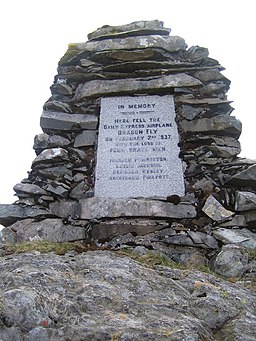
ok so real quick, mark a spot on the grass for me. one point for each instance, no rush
(151, 259)
(46, 246)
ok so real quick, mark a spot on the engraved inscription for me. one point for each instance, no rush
(138, 148)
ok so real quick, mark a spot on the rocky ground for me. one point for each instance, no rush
(119, 295)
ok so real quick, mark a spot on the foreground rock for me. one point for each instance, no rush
(100, 295)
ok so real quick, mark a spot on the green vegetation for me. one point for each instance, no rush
(151, 259)
(45, 246)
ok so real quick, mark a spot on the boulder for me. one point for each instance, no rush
(230, 262)
(241, 237)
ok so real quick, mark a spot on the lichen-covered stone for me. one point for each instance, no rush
(45, 141)
(53, 230)
(231, 261)
(93, 208)
(168, 43)
(109, 296)
(98, 88)
(215, 210)
(52, 155)
(132, 29)
(241, 237)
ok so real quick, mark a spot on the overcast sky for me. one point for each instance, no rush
(35, 34)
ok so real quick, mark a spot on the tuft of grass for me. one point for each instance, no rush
(251, 254)
(151, 259)
(47, 246)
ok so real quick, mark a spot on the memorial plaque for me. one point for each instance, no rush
(138, 148)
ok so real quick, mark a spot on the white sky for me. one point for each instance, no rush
(35, 34)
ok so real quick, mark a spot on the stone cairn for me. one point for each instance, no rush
(57, 203)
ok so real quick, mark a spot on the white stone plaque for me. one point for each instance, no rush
(138, 153)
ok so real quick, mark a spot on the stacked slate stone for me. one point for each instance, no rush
(57, 200)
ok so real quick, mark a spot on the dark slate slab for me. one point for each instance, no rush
(245, 178)
(133, 85)
(53, 120)
(170, 44)
(132, 29)
(224, 124)
(10, 213)
(95, 208)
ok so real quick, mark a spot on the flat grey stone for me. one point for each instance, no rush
(79, 191)
(64, 209)
(10, 213)
(237, 220)
(224, 151)
(197, 53)
(45, 141)
(230, 262)
(191, 238)
(62, 121)
(189, 112)
(221, 123)
(52, 155)
(241, 237)
(246, 177)
(132, 85)
(215, 210)
(8, 236)
(213, 88)
(55, 172)
(61, 89)
(134, 28)
(53, 230)
(53, 105)
(29, 189)
(203, 238)
(210, 75)
(107, 230)
(57, 190)
(168, 43)
(96, 208)
(245, 201)
(86, 138)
